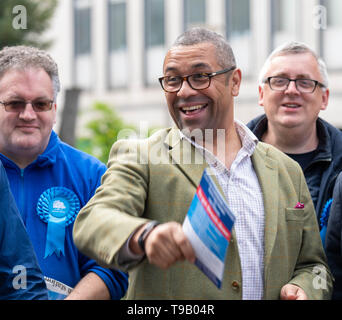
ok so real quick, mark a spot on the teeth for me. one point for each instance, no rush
(192, 108)
(291, 105)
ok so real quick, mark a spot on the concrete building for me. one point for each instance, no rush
(113, 49)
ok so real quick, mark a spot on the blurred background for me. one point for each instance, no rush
(110, 54)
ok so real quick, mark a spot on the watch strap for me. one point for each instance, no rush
(148, 228)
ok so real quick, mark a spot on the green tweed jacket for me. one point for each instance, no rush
(156, 179)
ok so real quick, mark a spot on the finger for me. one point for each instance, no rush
(301, 295)
(292, 292)
(161, 249)
(184, 244)
(164, 255)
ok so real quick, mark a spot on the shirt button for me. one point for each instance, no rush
(235, 285)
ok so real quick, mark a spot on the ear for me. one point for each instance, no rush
(261, 96)
(54, 108)
(325, 99)
(236, 81)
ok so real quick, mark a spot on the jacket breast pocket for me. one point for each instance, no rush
(292, 214)
(293, 232)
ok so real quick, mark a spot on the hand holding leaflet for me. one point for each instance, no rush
(208, 226)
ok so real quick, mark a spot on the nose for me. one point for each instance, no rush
(291, 88)
(185, 90)
(28, 113)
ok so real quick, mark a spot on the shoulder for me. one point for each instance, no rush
(79, 158)
(256, 121)
(268, 151)
(338, 183)
(133, 146)
(157, 136)
(288, 171)
(335, 134)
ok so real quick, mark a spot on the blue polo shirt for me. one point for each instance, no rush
(77, 174)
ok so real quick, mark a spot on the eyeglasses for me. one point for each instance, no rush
(197, 81)
(302, 85)
(20, 105)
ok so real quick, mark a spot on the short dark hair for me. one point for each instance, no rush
(225, 55)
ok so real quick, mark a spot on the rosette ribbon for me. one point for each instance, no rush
(58, 207)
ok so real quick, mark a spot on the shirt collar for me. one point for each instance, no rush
(324, 143)
(323, 150)
(247, 137)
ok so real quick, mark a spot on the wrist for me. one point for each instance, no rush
(148, 228)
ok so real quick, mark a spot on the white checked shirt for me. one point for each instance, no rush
(244, 196)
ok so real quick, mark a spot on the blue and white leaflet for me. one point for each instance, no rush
(208, 226)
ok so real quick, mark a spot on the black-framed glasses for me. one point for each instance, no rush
(20, 105)
(302, 85)
(197, 81)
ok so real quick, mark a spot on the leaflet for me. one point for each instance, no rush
(208, 226)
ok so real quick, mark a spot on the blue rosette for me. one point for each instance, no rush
(58, 207)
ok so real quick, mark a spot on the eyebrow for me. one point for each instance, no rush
(16, 96)
(299, 76)
(195, 66)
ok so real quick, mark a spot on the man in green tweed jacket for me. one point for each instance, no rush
(275, 251)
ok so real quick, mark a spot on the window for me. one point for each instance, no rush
(332, 44)
(239, 17)
(285, 24)
(82, 43)
(334, 10)
(154, 23)
(154, 40)
(238, 32)
(117, 43)
(194, 13)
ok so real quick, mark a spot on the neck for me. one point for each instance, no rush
(225, 145)
(21, 161)
(295, 141)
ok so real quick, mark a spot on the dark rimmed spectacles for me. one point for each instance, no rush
(20, 105)
(197, 81)
(302, 85)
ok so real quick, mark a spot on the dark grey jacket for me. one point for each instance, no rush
(334, 239)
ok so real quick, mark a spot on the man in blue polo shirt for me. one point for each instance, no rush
(49, 179)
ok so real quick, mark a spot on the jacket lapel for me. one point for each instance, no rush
(267, 173)
(185, 156)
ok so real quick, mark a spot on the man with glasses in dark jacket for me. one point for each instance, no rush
(293, 89)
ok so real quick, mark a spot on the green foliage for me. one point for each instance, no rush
(39, 14)
(105, 128)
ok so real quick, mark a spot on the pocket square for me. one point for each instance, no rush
(299, 205)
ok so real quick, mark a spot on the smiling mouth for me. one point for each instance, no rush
(193, 109)
(27, 128)
(291, 105)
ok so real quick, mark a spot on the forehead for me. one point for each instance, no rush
(294, 65)
(31, 81)
(192, 57)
